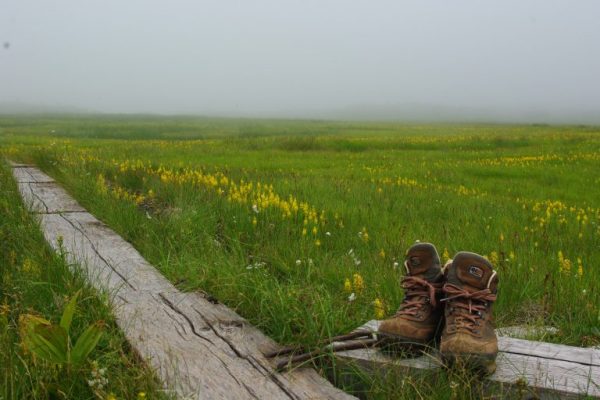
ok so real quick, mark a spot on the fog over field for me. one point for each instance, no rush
(510, 60)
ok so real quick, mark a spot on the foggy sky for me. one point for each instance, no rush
(282, 57)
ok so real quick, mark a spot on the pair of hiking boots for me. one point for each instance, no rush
(451, 305)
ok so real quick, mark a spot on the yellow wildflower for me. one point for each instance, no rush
(379, 308)
(382, 253)
(101, 184)
(446, 255)
(141, 395)
(30, 267)
(317, 242)
(254, 221)
(502, 237)
(347, 286)
(579, 267)
(358, 282)
(493, 258)
(364, 234)
(564, 264)
(567, 266)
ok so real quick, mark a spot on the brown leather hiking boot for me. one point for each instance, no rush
(418, 319)
(468, 337)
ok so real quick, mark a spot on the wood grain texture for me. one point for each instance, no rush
(25, 173)
(536, 368)
(199, 349)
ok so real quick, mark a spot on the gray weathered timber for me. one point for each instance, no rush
(199, 349)
(26, 173)
(534, 369)
(526, 331)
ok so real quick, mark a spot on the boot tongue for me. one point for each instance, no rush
(423, 261)
(472, 272)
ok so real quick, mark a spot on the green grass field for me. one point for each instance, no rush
(284, 220)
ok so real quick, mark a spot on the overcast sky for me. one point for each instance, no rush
(276, 56)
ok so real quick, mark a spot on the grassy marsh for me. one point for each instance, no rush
(283, 220)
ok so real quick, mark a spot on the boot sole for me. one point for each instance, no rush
(485, 364)
(402, 346)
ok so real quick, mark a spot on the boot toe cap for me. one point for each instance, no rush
(465, 343)
(402, 328)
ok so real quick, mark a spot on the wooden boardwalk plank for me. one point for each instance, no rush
(47, 198)
(548, 370)
(25, 173)
(199, 349)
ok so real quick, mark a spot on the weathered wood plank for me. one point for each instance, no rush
(549, 370)
(526, 331)
(199, 349)
(47, 197)
(548, 350)
(25, 174)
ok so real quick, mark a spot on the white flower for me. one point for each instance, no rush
(357, 262)
(327, 233)
(255, 208)
(298, 262)
(256, 265)
(396, 264)
(352, 297)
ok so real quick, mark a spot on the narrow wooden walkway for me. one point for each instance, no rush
(525, 369)
(199, 349)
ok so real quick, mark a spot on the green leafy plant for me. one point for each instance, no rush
(53, 343)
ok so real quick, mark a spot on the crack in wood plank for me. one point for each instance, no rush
(80, 230)
(173, 307)
(34, 194)
(248, 358)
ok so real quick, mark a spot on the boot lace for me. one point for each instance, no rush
(470, 305)
(418, 292)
